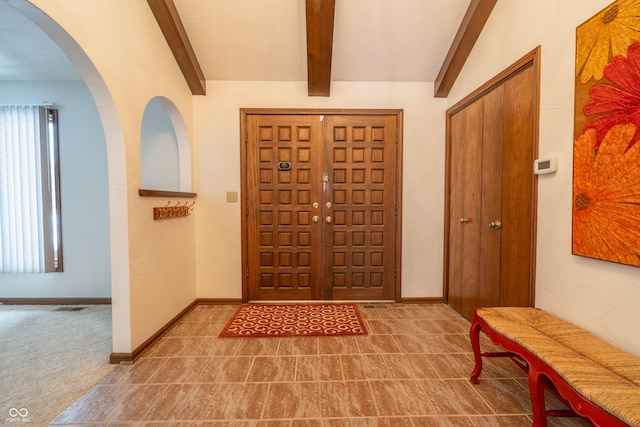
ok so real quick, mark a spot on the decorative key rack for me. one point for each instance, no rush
(168, 211)
(180, 209)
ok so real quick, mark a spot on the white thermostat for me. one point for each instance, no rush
(548, 165)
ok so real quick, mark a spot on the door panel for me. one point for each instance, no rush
(518, 183)
(465, 211)
(488, 287)
(360, 251)
(456, 210)
(282, 259)
(320, 207)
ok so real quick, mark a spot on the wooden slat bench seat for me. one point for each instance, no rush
(596, 379)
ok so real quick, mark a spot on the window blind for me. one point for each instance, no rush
(23, 155)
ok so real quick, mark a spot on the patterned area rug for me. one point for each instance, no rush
(281, 320)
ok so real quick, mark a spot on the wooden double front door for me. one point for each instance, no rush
(320, 199)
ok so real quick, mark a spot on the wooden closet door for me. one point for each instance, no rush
(518, 188)
(465, 198)
(491, 217)
(490, 232)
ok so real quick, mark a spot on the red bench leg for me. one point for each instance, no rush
(475, 345)
(537, 386)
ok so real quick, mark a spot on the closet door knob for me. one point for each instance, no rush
(496, 225)
(464, 220)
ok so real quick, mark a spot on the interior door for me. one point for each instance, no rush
(518, 188)
(489, 239)
(465, 207)
(491, 217)
(320, 206)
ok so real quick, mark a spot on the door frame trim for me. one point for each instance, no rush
(530, 60)
(245, 112)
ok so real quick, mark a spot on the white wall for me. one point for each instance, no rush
(217, 132)
(84, 192)
(119, 49)
(600, 296)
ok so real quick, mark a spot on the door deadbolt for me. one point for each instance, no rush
(328, 204)
(316, 205)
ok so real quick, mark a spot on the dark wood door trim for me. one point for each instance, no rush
(531, 59)
(311, 111)
(246, 112)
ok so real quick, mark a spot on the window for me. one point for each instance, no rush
(30, 221)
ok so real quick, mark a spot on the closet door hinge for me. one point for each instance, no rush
(247, 272)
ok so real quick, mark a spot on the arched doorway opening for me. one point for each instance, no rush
(116, 159)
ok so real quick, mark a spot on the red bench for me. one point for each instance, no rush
(595, 379)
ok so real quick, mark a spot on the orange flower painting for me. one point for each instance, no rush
(604, 36)
(606, 197)
(617, 103)
(606, 156)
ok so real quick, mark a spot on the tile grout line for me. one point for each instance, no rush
(246, 377)
(265, 401)
(375, 400)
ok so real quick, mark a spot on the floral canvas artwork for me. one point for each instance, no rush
(606, 152)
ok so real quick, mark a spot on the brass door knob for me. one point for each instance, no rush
(329, 220)
(315, 218)
(496, 225)
(464, 220)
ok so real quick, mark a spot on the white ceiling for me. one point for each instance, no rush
(374, 40)
(27, 53)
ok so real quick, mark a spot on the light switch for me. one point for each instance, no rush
(232, 196)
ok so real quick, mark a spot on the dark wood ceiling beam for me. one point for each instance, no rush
(171, 25)
(320, 17)
(469, 31)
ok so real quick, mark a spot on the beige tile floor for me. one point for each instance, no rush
(412, 369)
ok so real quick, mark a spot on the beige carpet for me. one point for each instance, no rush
(49, 358)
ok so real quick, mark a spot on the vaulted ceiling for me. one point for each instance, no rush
(342, 40)
(370, 40)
